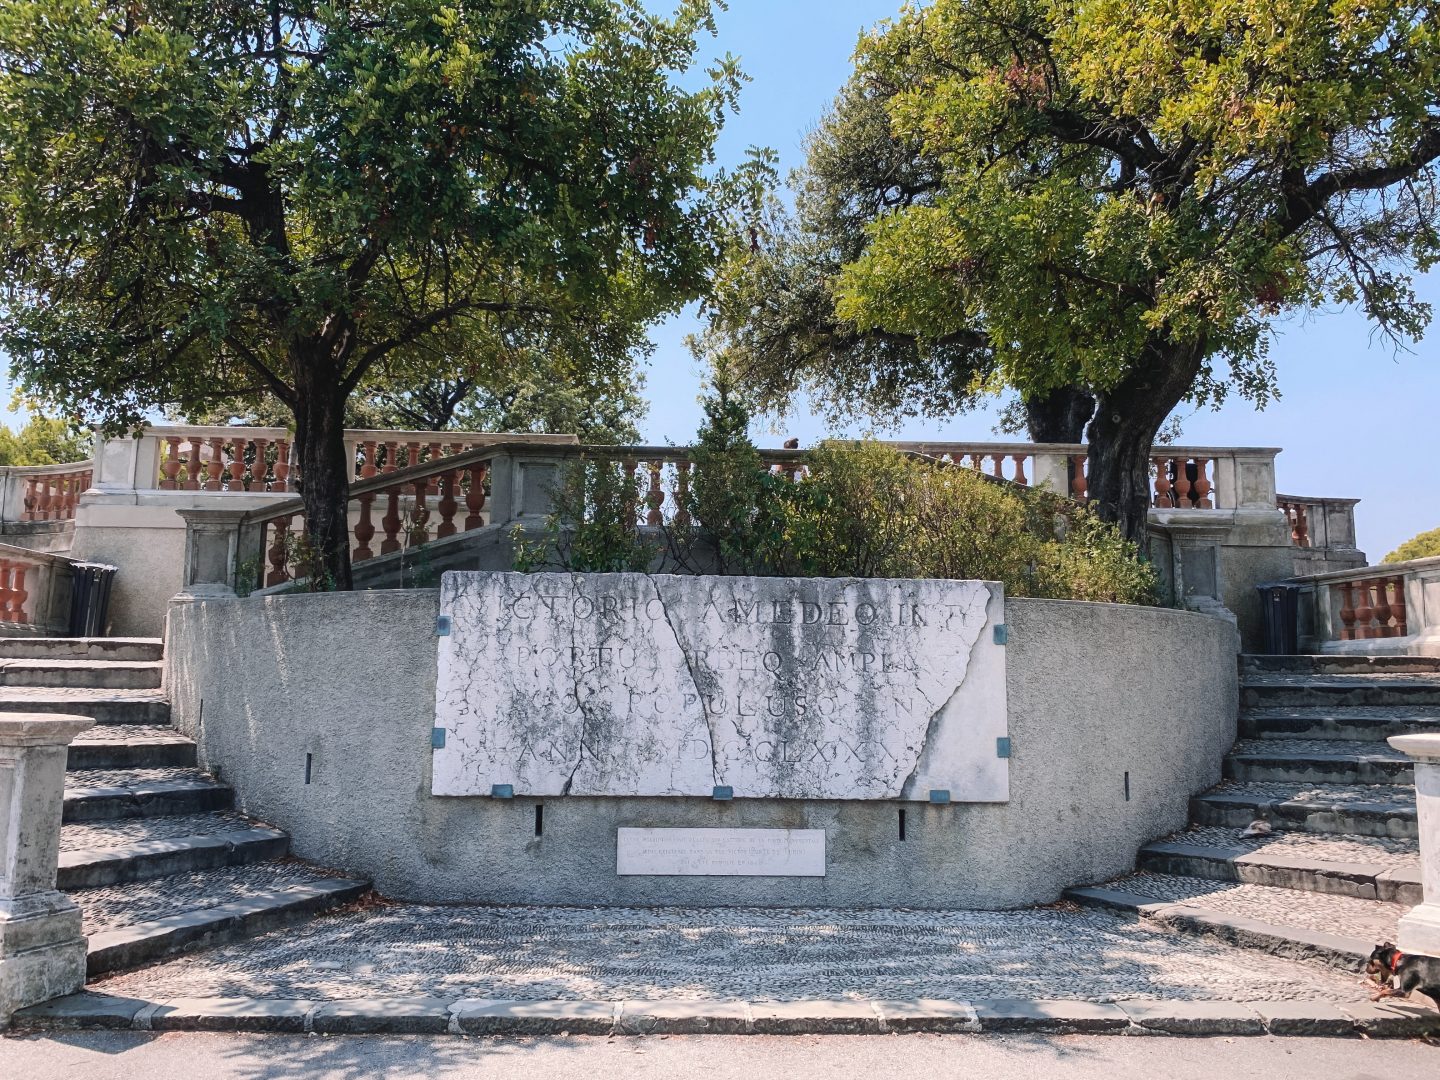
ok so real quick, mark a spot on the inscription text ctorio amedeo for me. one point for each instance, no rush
(635, 684)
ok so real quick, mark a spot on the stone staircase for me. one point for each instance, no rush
(1342, 863)
(151, 848)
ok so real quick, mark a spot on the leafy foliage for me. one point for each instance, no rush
(1424, 546)
(42, 442)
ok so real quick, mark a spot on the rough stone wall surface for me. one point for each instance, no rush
(151, 570)
(1096, 692)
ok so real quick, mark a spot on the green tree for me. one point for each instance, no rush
(1424, 546)
(1131, 191)
(42, 442)
(208, 200)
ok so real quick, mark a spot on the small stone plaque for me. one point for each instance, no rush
(720, 852)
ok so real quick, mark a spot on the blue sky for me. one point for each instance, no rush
(1355, 420)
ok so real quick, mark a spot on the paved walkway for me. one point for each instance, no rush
(531, 953)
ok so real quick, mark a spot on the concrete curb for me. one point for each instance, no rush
(475, 1016)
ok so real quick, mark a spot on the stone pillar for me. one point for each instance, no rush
(1419, 931)
(212, 552)
(42, 951)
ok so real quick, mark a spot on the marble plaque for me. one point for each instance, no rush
(792, 688)
(720, 852)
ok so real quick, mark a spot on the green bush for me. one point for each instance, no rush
(1424, 546)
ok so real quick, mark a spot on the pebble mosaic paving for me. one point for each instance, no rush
(529, 953)
(91, 835)
(1387, 851)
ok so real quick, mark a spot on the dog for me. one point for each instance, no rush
(1398, 975)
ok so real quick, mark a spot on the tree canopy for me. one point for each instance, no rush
(42, 441)
(1424, 546)
(1123, 196)
(210, 200)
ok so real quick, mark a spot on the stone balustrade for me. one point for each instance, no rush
(1418, 933)
(1393, 608)
(35, 493)
(42, 950)
(34, 592)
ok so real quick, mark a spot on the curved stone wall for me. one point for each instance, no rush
(1117, 715)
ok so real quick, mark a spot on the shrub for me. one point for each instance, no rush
(1424, 546)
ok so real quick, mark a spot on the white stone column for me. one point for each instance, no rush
(42, 951)
(1419, 931)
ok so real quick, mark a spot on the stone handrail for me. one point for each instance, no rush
(34, 592)
(1393, 608)
(1324, 523)
(43, 492)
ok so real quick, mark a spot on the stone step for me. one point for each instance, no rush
(1317, 761)
(83, 674)
(36, 648)
(144, 860)
(1340, 691)
(133, 746)
(1342, 866)
(102, 794)
(1337, 930)
(1358, 724)
(1365, 810)
(106, 706)
(1335, 664)
(137, 922)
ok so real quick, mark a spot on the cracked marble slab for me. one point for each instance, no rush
(658, 685)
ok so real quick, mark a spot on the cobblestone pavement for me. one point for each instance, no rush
(111, 906)
(747, 953)
(1328, 794)
(77, 694)
(1281, 907)
(1388, 851)
(87, 835)
(130, 733)
(81, 779)
(1331, 748)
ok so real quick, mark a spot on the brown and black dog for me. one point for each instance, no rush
(1398, 975)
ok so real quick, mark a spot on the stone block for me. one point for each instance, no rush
(83, 1010)
(815, 1018)
(1304, 1018)
(481, 1016)
(1392, 1019)
(230, 1014)
(1025, 1014)
(928, 1014)
(384, 1016)
(1194, 1017)
(684, 1018)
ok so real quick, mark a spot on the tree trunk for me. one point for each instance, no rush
(324, 481)
(1122, 434)
(1059, 416)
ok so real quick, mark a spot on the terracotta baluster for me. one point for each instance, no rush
(18, 595)
(1347, 611)
(655, 497)
(364, 529)
(279, 553)
(32, 499)
(1163, 495)
(448, 505)
(1397, 608)
(682, 494)
(475, 497)
(391, 522)
(996, 469)
(412, 454)
(420, 518)
(47, 499)
(282, 465)
(1364, 610)
(369, 469)
(1203, 486)
(977, 462)
(436, 453)
(194, 467)
(215, 466)
(237, 464)
(259, 466)
(6, 595)
(170, 464)
(1079, 483)
(1184, 488)
(1020, 477)
(392, 451)
(630, 511)
(1382, 608)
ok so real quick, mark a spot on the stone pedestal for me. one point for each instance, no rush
(42, 951)
(1419, 931)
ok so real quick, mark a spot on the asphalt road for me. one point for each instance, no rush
(176, 1056)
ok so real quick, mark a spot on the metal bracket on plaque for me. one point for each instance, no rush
(722, 794)
(502, 791)
(940, 796)
(442, 625)
(1002, 746)
(1002, 634)
(437, 738)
